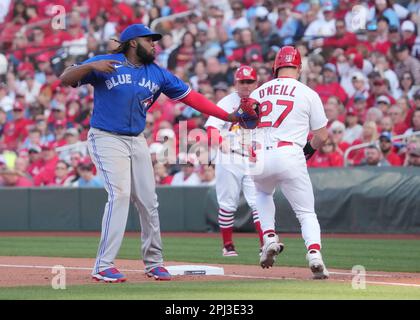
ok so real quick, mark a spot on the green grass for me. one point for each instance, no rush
(217, 290)
(374, 255)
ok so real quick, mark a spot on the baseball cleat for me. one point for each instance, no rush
(159, 273)
(272, 247)
(317, 266)
(110, 275)
(229, 251)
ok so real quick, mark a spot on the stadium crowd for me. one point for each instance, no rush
(362, 57)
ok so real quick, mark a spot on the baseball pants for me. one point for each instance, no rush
(286, 167)
(125, 165)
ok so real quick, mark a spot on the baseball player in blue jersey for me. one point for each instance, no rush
(126, 83)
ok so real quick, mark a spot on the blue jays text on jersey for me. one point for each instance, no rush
(122, 98)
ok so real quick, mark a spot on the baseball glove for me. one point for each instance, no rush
(248, 113)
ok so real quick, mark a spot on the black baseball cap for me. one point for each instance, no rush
(401, 47)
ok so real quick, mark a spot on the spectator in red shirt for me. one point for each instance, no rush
(386, 147)
(61, 177)
(73, 108)
(48, 88)
(36, 44)
(75, 158)
(59, 131)
(16, 131)
(35, 161)
(342, 38)
(379, 88)
(327, 156)
(58, 113)
(398, 120)
(248, 52)
(13, 178)
(406, 106)
(49, 158)
(336, 130)
(330, 86)
(162, 176)
(414, 122)
(377, 36)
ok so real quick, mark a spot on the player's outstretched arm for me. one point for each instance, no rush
(204, 105)
(72, 75)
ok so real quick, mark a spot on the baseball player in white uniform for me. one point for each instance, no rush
(232, 161)
(288, 111)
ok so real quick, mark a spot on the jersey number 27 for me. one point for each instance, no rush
(267, 108)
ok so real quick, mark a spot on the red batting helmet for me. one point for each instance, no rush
(287, 56)
(246, 73)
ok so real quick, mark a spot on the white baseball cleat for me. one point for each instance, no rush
(316, 264)
(229, 251)
(272, 247)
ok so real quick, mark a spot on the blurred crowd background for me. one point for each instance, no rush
(362, 57)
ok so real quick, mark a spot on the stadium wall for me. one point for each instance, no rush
(355, 200)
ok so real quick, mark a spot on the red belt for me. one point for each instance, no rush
(280, 144)
(284, 143)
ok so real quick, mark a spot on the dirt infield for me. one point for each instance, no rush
(31, 271)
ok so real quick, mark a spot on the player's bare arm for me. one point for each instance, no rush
(72, 75)
(318, 140)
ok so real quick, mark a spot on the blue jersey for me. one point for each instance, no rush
(122, 98)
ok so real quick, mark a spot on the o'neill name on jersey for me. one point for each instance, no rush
(277, 89)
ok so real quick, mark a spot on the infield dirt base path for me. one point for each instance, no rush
(31, 271)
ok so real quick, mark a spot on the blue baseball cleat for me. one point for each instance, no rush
(159, 273)
(110, 275)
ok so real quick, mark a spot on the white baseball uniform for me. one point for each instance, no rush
(289, 110)
(232, 165)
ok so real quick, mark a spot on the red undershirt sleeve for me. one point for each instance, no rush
(204, 105)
